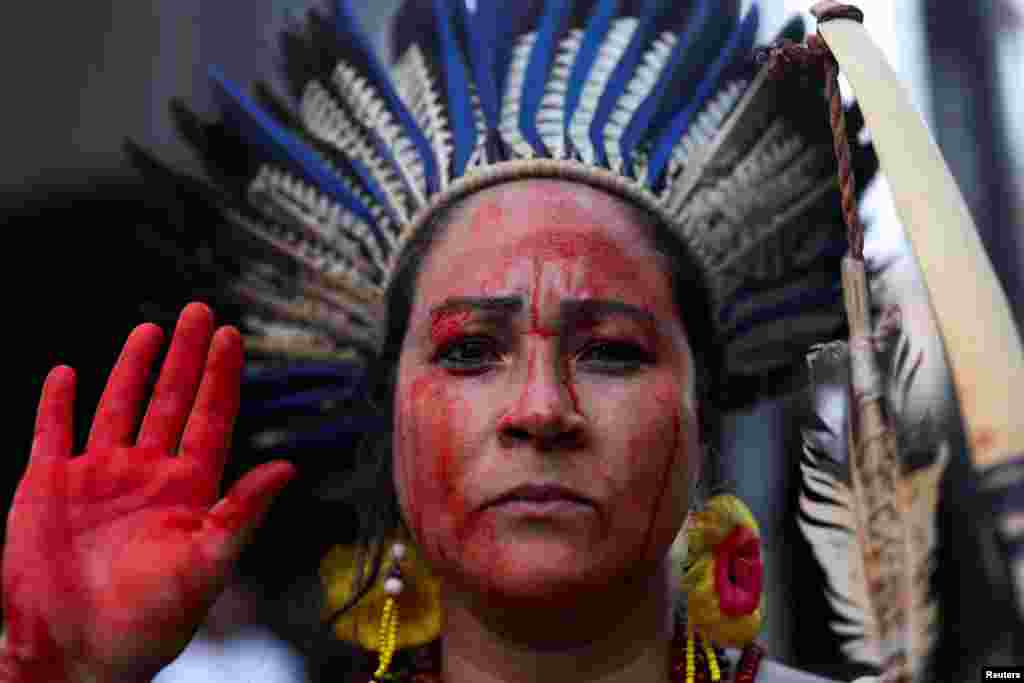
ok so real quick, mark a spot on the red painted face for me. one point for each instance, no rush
(544, 348)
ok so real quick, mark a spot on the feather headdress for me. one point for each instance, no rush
(663, 104)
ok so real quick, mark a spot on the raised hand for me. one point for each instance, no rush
(114, 556)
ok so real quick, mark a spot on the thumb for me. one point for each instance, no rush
(241, 511)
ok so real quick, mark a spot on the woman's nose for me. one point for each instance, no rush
(545, 410)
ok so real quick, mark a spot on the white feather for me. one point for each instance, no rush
(834, 539)
(700, 135)
(609, 54)
(510, 106)
(478, 158)
(327, 121)
(551, 115)
(418, 89)
(366, 106)
(654, 62)
(336, 229)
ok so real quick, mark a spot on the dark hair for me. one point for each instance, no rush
(370, 491)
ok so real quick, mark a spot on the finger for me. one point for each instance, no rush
(118, 413)
(242, 510)
(176, 389)
(54, 430)
(207, 436)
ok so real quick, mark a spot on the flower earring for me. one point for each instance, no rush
(722, 578)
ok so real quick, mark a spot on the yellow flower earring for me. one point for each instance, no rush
(722, 578)
(407, 595)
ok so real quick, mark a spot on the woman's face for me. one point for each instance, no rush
(544, 350)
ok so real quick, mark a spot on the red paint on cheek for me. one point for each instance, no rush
(570, 388)
(666, 478)
(437, 497)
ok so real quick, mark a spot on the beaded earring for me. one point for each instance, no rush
(406, 593)
(388, 638)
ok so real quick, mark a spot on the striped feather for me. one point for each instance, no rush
(480, 156)
(550, 29)
(322, 220)
(400, 136)
(869, 518)
(740, 42)
(327, 121)
(418, 90)
(551, 115)
(622, 74)
(830, 522)
(699, 136)
(705, 27)
(509, 128)
(365, 105)
(647, 75)
(279, 145)
(609, 54)
(462, 115)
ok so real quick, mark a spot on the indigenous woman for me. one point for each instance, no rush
(560, 237)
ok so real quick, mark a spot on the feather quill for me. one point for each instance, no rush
(870, 520)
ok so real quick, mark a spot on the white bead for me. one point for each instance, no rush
(398, 551)
(393, 586)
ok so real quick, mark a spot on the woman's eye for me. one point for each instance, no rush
(614, 356)
(468, 354)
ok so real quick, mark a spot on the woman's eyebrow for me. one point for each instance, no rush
(572, 310)
(502, 304)
(577, 309)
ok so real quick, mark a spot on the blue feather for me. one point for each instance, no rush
(829, 256)
(593, 35)
(622, 75)
(482, 35)
(740, 43)
(691, 46)
(309, 402)
(801, 304)
(353, 38)
(280, 146)
(460, 105)
(553, 24)
(279, 378)
(342, 434)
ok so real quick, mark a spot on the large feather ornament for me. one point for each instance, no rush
(869, 518)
